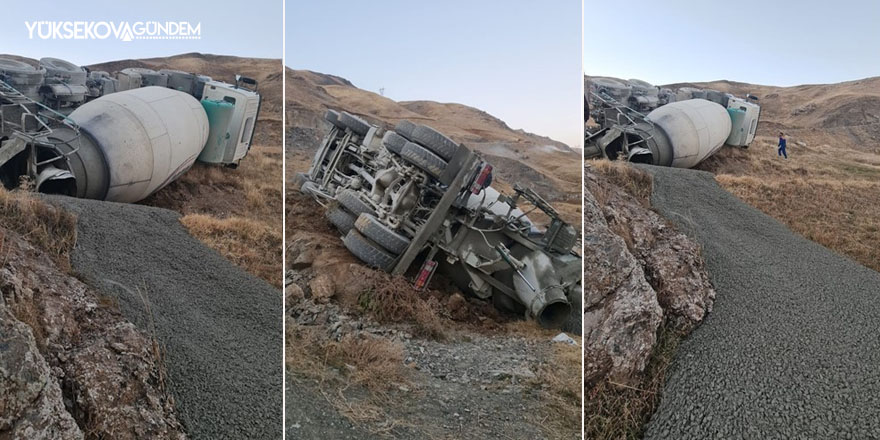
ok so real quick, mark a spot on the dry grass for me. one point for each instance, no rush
(828, 194)
(563, 388)
(237, 212)
(246, 242)
(394, 300)
(46, 226)
(615, 411)
(345, 369)
(623, 175)
(373, 362)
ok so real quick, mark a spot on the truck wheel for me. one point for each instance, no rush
(370, 253)
(350, 201)
(342, 219)
(332, 116)
(393, 142)
(299, 179)
(434, 141)
(424, 159)
(354, 123)
(373, 229)
(405, 129)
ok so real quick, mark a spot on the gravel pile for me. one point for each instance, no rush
(220, 327)
(791, 349)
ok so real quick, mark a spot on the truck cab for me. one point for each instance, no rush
(246, 103)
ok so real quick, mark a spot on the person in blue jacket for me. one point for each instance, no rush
(781, 151)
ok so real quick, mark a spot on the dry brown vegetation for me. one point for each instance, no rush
(623, 175)
(237, 212)
(46, 226)
(614, 411)
(394, 300)
(373, 362)
(563, 390)
(829, 188)
(828, 194)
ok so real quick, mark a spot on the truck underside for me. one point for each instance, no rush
(412, 198)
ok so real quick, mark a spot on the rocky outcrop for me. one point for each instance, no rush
(106, 372)
(639, 272)
(621, 312)
(31, 404)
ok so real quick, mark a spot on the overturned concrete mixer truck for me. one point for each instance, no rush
(638, 122)
(121, 137)
(413, 199)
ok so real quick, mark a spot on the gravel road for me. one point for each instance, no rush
(792, 348)
(219, 326)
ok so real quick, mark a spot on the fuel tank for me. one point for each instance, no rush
(133, 143)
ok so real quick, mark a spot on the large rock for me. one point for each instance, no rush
(111, 374)
(621, 312)
(638, 272)
(31, 405)
(672, 262)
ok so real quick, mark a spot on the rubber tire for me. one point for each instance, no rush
(354, 123)
(370, 253)
(405, 129)
(350, 201)
(341, 219)
(332, 116)
(394, 142)
(424, 159)
(384, 236)
(434, 141)
(299, 179)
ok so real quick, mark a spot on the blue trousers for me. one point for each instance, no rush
(781, 151)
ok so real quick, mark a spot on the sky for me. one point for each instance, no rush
(769, 42)
(248, 29)
(519, 60)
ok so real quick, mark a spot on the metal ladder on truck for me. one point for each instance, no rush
(28, 123)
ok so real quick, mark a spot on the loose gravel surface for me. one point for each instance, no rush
(792, 348)
(470, 386)
(220, 327)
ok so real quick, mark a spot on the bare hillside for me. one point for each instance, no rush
(550, 166)
(846, 113)
(266, 71)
